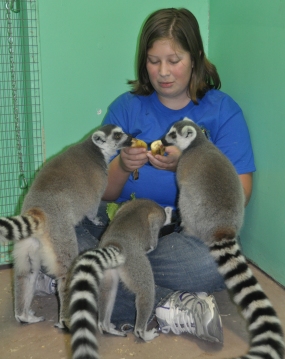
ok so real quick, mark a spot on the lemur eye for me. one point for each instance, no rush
(173, 135)
(117, 135)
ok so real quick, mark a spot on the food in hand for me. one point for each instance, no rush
(137, 143)
(157, 148)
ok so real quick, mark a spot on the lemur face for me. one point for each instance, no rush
(111, 138)
(181, 134)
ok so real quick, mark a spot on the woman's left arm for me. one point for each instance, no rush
(246, 181)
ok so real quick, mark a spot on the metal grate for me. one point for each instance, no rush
(21, 137)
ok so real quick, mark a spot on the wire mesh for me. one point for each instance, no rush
(24, 26)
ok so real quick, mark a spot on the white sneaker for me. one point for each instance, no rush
(45, 285)
(194, 313)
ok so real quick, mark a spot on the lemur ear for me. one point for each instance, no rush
(188, 132)
(187, 119)
(99, 137)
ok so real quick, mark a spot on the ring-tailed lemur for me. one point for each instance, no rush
(132, 233)
(211, 203)
(66, 189)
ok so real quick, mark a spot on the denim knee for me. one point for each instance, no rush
(182, 262)
(88, 233)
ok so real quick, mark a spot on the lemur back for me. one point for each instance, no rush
(66, 189)
(211, 204)
(94, 279)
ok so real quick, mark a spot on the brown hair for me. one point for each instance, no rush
(181, 26)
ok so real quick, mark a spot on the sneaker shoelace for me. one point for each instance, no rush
(181, 317)
(194, 313)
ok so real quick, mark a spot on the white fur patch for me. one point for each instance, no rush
(233, 281)
(262, 319)
(245, 291)
(264, 303)
(83, 295)
(267, 348)
(231, 264)
(108, 144)
(83, 276)
(84, 351)
(217, 253)
(80, 314)
(168, 211)
(26, 255)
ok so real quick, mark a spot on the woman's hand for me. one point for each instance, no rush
(168, 162)
(132, 158)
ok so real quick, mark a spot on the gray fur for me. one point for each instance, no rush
(211, 203)
(67, 188)
(133, 232)
(211, 196)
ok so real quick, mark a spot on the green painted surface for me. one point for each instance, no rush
(247, 44)
(87, 56)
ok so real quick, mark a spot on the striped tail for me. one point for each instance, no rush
(17, 228)
(267, 340)
(84, 286)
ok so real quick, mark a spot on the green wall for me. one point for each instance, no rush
(87, 56)
(247, 43)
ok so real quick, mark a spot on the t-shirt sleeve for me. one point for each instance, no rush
(233, 137)
(118, 112)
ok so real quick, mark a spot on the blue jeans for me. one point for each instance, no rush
(179, 263)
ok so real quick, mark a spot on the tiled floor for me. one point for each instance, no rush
(43, 341)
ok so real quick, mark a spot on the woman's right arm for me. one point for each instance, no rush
(120, 168)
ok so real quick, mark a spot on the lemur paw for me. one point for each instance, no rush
(110, 329)
(146, 335)
(28, 319)
(168, 211)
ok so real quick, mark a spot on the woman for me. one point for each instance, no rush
(175, 79)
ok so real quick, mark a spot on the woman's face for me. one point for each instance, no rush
(169, 69)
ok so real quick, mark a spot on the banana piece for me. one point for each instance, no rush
(157, 148)
(137, 143)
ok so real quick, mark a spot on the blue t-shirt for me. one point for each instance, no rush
(146, 118)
